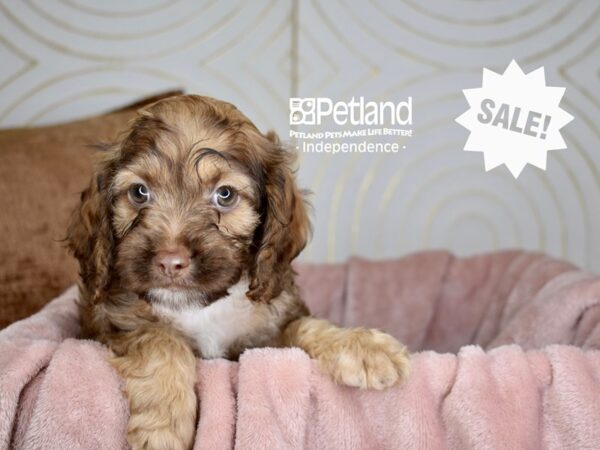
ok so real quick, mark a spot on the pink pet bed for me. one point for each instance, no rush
(505, 357)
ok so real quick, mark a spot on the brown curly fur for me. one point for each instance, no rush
(183, 147)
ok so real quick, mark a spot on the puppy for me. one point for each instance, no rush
(184, 238)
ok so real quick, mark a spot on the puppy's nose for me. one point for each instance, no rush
(172, 262)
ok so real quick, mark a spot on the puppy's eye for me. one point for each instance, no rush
(225, 196)
(139, 194)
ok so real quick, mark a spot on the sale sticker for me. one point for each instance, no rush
(514, 119)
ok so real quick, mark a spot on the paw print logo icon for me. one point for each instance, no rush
(302, 111)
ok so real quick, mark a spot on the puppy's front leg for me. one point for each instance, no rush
(360, 357)
(159, 370)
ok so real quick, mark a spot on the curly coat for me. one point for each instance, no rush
(237, 289)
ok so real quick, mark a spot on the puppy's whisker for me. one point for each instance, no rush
(134, 223)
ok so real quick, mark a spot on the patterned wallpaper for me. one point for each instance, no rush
(63, 59)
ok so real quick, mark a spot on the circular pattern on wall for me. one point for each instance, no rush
(70, 58)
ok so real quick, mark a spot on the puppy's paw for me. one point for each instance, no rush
(159, 371)
(150, 431)
(366, 358)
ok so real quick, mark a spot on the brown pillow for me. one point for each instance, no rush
(42, 172)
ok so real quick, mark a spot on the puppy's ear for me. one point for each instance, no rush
(285, 226)
(89, 234)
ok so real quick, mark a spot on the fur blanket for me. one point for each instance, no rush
(506, 357)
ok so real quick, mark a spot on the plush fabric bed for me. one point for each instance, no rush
(505, 357)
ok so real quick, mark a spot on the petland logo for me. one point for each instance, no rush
(312, 111)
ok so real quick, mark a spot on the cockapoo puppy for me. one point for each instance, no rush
(184, 238)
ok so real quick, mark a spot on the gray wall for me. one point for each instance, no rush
(63, 59)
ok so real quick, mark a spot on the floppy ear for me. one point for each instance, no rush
(90, 237)
(285, 226)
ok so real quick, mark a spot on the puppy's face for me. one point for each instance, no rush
(184, 215)
(190, 200)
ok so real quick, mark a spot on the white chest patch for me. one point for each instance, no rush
(214, 328)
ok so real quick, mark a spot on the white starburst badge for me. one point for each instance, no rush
(514, 119)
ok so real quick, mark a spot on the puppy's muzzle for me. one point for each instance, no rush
(173, 263)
